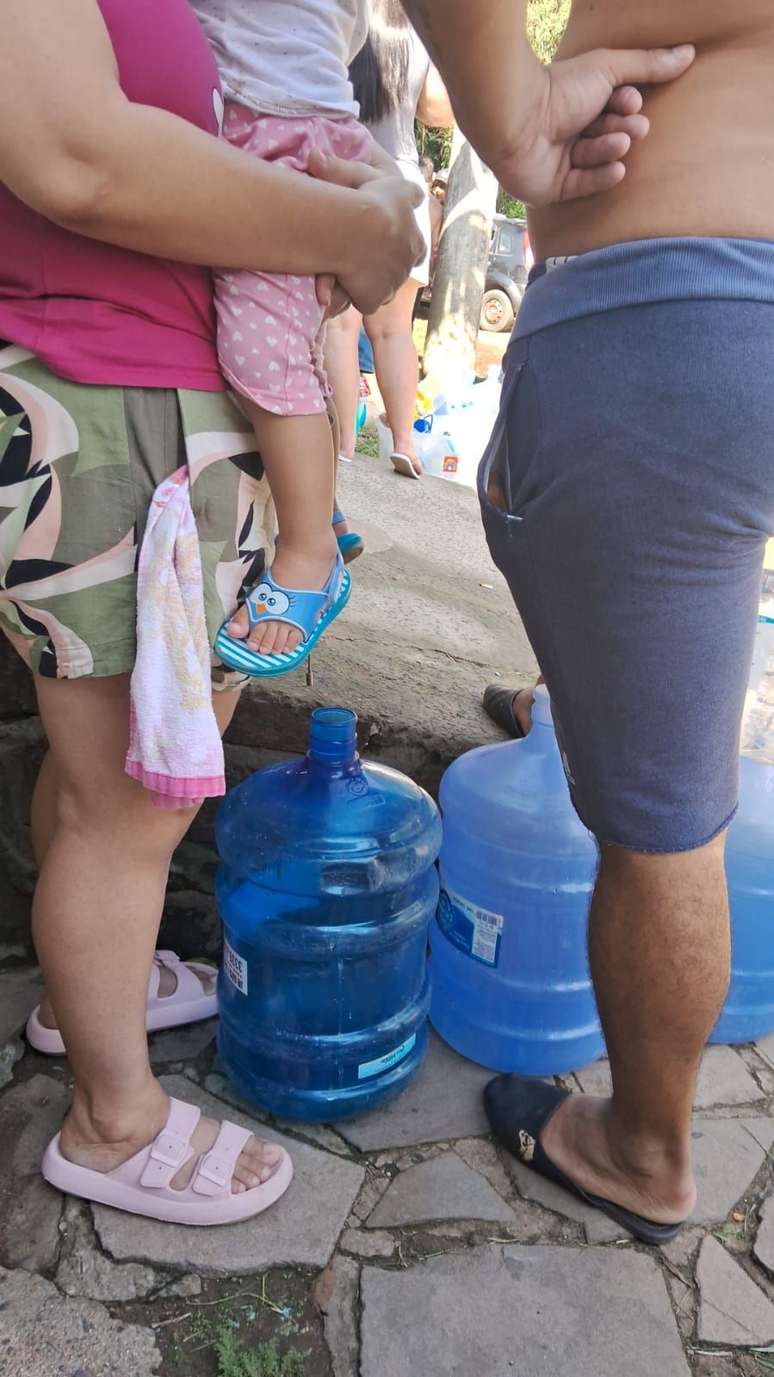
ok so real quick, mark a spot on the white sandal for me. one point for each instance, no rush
(402, 463)
(142, 1185)
(188, 1003)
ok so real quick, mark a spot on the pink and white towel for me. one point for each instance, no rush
(175, 748)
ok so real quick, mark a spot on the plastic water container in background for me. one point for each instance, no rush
(511, 987)
(748, 1012)
(326, 889)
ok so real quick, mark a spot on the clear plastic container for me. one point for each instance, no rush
(511, 986)
(326, 889)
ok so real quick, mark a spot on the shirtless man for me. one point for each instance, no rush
(627, 496)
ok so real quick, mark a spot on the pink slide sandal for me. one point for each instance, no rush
(142, 1185)
(188, 1003)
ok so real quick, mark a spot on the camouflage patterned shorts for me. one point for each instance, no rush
(78, 467)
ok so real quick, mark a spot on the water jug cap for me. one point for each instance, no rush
(333, 736)
(541, 712)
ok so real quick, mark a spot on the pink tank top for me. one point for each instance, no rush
(99, 314)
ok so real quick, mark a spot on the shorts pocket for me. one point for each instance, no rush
(507, 476)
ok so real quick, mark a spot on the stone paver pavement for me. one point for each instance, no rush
(44, 1335)
(733, 1309)
(443, 1188)
(594, 1313)
(421, 1248)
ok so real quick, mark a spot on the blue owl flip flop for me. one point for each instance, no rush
(309, 611)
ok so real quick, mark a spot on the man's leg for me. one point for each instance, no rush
(659, 954)
(630, 522)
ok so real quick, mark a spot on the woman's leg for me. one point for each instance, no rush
(44, 815)
(96, 913)
(341, 366)
(397, 368)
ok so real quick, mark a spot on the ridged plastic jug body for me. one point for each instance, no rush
(511, 986)
(748, 1012)
(326, 889)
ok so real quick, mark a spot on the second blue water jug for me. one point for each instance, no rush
(326, 890)
(511, 987)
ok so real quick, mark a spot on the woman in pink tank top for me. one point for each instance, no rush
(115, 196)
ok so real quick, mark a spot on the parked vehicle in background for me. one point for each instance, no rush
(510, 259)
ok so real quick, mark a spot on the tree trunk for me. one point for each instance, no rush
(458, 287)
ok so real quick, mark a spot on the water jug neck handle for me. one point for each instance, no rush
(333, 738)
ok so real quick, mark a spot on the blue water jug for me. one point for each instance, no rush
(326, 890)
(511, 987)
(748, 1013)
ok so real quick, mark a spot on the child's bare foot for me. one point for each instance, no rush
(292, 569)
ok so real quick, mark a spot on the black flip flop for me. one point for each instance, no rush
(498, 703)
(518, 1110)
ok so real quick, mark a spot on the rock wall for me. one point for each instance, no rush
(399, 724)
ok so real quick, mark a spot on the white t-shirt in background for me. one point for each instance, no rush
(286, 57)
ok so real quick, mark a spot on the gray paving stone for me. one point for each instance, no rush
(30, 1115)
(19, 993)
(727, 1154)
(301, 1229)
(443, 1188)
(182, 1044)
(766, 1048)
(445, 1101)
(763, 1247)
(336, 1293)
(484, 1158)
(84, 1271)
(372, 1190)
(732, 1309)
(591, 1312)
(723, 1079)
(10, 1052)
(597, 1227)
(42, 1334)
(367, 1243)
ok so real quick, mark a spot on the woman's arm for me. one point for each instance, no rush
(74, 148)
(549, 133)
(434, 108)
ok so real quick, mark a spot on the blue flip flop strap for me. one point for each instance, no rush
(306, 604)
(337, 518)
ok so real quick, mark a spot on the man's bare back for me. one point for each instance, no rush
(707, 167)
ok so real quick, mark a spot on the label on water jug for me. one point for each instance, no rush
(235, 967)
(474, 930)
(373, 1068)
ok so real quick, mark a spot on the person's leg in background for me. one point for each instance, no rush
(397, 366)
(96, 915)
(343, 370)
(635, 563)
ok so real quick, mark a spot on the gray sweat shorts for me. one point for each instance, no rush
(627, 494)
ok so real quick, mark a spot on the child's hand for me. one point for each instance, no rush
(378, 260)
(331, 295)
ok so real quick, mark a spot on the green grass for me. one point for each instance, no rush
(368, 441)
(236, 1359)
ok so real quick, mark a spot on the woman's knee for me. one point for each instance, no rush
(120, 813)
